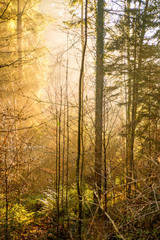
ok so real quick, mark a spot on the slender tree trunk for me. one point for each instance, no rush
(6, 196)
(128, 105)
(79, 151)
(59, 161)
(99, 97)
(19, 40)
(63, 164)
(82, 89)
(67, 122)
(57, 203)
(104, 154)
(149, 136)
(19, 81)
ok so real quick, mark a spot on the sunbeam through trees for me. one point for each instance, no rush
(79, 119)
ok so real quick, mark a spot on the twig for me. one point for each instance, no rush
(155, 196)
(114, 225)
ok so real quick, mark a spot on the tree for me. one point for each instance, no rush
(79, 154)
(16, 102)
(129, 64)
(99, 96)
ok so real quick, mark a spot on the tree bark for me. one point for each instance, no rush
(78, 174)
(99, 97)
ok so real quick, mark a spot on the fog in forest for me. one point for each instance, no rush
(79, 119)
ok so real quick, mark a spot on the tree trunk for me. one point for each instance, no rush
(99, 97)
(128, 106)
(19, 82)
(78, 175)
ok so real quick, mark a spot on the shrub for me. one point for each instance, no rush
(18, 220)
